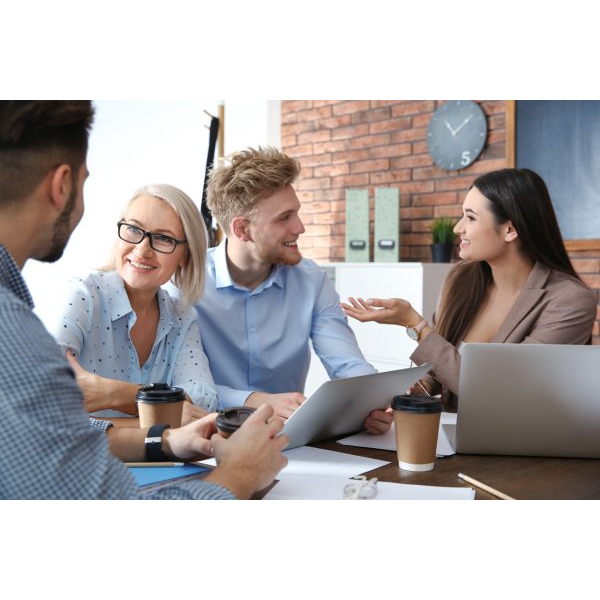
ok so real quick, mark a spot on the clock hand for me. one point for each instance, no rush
(463, 124)
(450, 128)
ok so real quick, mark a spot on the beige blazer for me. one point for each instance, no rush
(552, 308)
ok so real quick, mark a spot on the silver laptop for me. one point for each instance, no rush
(528, 400)
(340, 406)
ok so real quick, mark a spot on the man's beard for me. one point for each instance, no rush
(62, 230)
(278, 256)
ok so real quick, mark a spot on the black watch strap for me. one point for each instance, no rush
(153, 443)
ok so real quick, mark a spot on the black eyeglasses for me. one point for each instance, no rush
(158, 241)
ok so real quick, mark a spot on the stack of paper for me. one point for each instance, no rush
(309, 487)
(314, 474)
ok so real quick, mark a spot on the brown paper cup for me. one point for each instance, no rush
(168, 413)
(416, 440)
(417, 422)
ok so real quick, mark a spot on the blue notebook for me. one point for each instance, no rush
(146, 476)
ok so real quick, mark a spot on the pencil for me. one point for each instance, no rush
(154, 464)
(487, 488)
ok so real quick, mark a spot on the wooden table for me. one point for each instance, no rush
(522, 477)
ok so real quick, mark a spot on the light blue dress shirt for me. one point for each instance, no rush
(258, 340)
(95, 321)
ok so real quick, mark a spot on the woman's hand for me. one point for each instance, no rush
(391, 311)
(422, 387)
(94, 397)
(101, 392)
(191, 413)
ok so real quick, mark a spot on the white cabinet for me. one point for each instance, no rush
(386, 347)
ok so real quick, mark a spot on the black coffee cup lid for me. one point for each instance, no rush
(417, 404)
(231, 419)
(159, 393)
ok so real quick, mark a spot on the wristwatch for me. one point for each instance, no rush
(414, 332)
(153, 443)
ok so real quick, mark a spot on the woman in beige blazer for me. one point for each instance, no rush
(515, 283)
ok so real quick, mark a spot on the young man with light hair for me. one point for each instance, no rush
(50, 448)
(262, 301)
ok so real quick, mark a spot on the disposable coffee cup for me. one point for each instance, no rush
(417, 421)
(231, 419)
(160, 403)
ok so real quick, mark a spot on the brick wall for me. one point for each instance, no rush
(587, 265)
(382, 143)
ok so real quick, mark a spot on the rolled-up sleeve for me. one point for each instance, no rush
(333, 340)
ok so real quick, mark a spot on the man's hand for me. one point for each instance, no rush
(379, 421)
(191, 442)
(283, 404)
(251, 457)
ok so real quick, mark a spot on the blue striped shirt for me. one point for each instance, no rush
(48, 448)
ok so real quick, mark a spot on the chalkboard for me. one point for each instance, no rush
(560, 140)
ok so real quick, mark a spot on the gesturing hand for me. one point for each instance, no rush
(391, 311)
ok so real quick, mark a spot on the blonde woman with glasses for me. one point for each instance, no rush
(120, 329)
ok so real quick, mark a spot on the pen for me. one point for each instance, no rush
(485, 487)
(154, 464)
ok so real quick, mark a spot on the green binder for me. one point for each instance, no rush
(357, 226)
(387, 225)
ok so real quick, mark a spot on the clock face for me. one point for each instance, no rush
(456, 134)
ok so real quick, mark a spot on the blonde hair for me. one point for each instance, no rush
(190, 278)
(237, 184)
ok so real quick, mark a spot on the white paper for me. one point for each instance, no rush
(387, 441)
(322, 463)
(310, 487)
(326, 463)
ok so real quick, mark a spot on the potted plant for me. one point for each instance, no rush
(444, 237)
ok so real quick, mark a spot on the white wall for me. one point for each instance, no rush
(138, 142)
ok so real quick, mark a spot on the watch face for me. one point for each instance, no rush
(412, 333)
(456, 134)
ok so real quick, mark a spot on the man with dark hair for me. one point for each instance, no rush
(49, 448)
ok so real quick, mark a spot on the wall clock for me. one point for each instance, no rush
(457, 133)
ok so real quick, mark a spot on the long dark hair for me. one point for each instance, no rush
(519, 196)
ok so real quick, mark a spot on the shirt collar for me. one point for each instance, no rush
(223, 277)
(12, 278)
(120, 305)
(119, 301)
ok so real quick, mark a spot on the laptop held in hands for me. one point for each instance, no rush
(340, 407)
